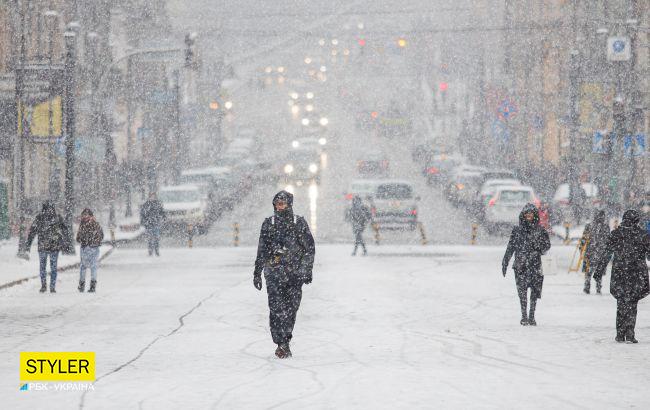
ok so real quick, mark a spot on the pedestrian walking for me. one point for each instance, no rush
(359, 216)
(286, 256)
(90, 236)
(577, 200)
(528, 242)
(629, 248)
(594, 238)
(52, 234)
(152, 216)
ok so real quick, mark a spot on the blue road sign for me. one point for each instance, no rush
(599, 142)
(507, 109)
(618, 45)
(634, 145)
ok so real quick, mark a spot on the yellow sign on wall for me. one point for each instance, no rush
(37, 119)
(57, 366)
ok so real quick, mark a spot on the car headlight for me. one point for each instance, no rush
(313, 168)
(288, 169)
(324, 121)
(295, 144)
(322, 141)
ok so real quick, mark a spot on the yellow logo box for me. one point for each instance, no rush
(57, 366)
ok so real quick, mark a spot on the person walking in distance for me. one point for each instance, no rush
(152, 216)
(90, 236)
(528, 242)
(594, 237)
(359, 216)
(51, 231)
(629, 248)
(285, 255)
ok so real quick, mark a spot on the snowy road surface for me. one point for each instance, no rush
(407, 327)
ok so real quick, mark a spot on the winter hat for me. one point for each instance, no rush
(631, 217)
(283, 196)
(529, 209)
(48, 208)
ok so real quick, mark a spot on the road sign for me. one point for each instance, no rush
(634, 145)
(618, 48)
(507, 109)
(598, 142)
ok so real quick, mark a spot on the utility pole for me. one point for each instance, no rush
(129, 142)
(176, 171)
(69, 115)
(21, 129)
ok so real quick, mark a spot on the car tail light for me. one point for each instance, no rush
(433, 170)
(349, 196)
(373, 211)
(414, 212)
(384, 164)
(460, 187)
(492, 202)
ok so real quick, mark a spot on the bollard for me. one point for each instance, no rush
(616, 223)
(474, 233)
(567, 234)
(112, 233)
(190, 235)
(423, 234)
(235, 228)
(375, 227)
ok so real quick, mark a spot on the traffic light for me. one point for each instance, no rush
(362, 42)
(443, 86)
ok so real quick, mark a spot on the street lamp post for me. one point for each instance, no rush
(22, 134)
(50, 21)
(69, 115)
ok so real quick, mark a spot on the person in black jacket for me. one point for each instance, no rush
(359, 216)
(629, 245)
(594, 237)
(90, 236)
(152, 216)
(51, 231)
(286, 256)
(528, 242)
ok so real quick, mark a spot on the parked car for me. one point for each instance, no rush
(394, 205)
(462, 188)
(487, 191)
(505, 205)
(560, 203)
(363, 188)
(185, 206)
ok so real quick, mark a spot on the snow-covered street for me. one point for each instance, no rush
(406, 327)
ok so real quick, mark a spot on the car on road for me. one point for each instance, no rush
(185, 206)
(462, 188)
(505, 205)
(439, 167)
(394, 205)
(373, 164)
(218, 184)
(302, 165)
(363, 188)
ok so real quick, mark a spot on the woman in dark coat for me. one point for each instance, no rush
(359, 215)
(528, 242)
(629, 245)
(595, 236)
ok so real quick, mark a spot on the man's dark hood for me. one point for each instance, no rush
(288, 198)
(48, 209)
(529, 208)
(631, 218)
(599, 217)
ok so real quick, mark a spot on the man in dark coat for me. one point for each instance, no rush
(286, 255)
(594, 237)
(51, 231)
(152, 216)
(629, 245)
(359, 216)
(528, 242)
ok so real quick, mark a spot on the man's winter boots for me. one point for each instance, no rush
(82, 286)
(43, 287)
(93, 283)
(283, 351)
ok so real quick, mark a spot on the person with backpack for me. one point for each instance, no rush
(52, 233)
(629, 248)
(359, 216)
(90, 235)
(285, 255)
(594, 238)
(528, 242)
